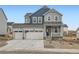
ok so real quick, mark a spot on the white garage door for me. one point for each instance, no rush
(18, 35)
(34, 35)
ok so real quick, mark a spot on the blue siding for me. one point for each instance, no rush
(30, 20)
(37, 21)
(39, 13)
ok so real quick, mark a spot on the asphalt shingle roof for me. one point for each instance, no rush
(41, 11)
(24, 25)
(10, 23)
(28, 14)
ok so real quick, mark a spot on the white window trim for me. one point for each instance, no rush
(57, 18)
(48, 18)
(39, 19)
(34, 19)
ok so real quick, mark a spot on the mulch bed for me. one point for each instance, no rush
(3, 43)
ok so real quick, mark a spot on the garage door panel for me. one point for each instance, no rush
(18, 35)
(37, 35)
(28, 35)
(34, 35)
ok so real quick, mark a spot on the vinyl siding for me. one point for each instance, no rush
(52, 17)
(3, 24)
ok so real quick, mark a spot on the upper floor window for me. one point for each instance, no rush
(34, 20)
(39, 19)
(48, 18)
(56, 18)
(56, 30)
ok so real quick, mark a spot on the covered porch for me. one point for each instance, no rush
(51, 32)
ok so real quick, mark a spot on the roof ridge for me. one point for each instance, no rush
(36, 11)
(39, 10)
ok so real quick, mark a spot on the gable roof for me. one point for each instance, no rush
(41, 11)
(1, 10)
(10, 23)
(54, 11)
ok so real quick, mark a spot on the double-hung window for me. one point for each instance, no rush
(56, 18)
(49, 18)
(34, 19)
(39, 19)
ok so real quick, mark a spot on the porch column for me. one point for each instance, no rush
(58, 29)
(44, 31)
(51, 31)
(24, 33)
(61, 30)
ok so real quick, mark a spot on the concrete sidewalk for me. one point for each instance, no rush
(39, 51)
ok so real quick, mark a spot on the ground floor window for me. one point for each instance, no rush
(56, 30)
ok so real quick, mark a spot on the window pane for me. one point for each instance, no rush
(34, 19)
(20, 31)
(48, 18)
(56, 18)
(39, 19)
(15, 31)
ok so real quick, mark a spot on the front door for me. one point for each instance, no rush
(48, 31)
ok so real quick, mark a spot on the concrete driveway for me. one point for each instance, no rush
(22, 44)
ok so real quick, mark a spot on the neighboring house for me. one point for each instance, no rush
(65, 29)
(77, 33)
(72, 33)
(10, 27)
(3, 23)
(44, 23)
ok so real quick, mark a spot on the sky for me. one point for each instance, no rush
(15, 13)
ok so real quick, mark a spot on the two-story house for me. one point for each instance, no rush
(3, 23)
(44, 23)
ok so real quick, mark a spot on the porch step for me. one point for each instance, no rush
(48, 38)
(54, 38)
